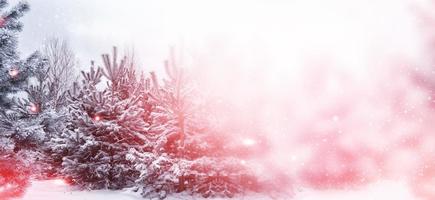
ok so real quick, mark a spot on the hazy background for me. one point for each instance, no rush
(315, 78)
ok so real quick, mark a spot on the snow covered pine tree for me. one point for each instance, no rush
(14, 76)
(14, 72)
(107, 124)
(186, 155)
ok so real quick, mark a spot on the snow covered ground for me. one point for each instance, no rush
(48, 190)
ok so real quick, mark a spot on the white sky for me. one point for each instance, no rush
(286, 32)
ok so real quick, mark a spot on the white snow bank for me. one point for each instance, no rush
(55, 190)
(50, 190)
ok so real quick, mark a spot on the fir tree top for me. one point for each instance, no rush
(9, 27)
(14, 72)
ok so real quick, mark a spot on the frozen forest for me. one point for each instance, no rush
(138, 132)
(254, 100)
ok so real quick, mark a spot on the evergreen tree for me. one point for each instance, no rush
(14, 73)
(14, 78)
(38, 122)
(47, 113)
(187, 155)
(107, 125)
(176, 119)
(16, 134)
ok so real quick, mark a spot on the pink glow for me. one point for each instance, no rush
(59, 182)
(34, 108)
(13, 73)
(97, 118)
